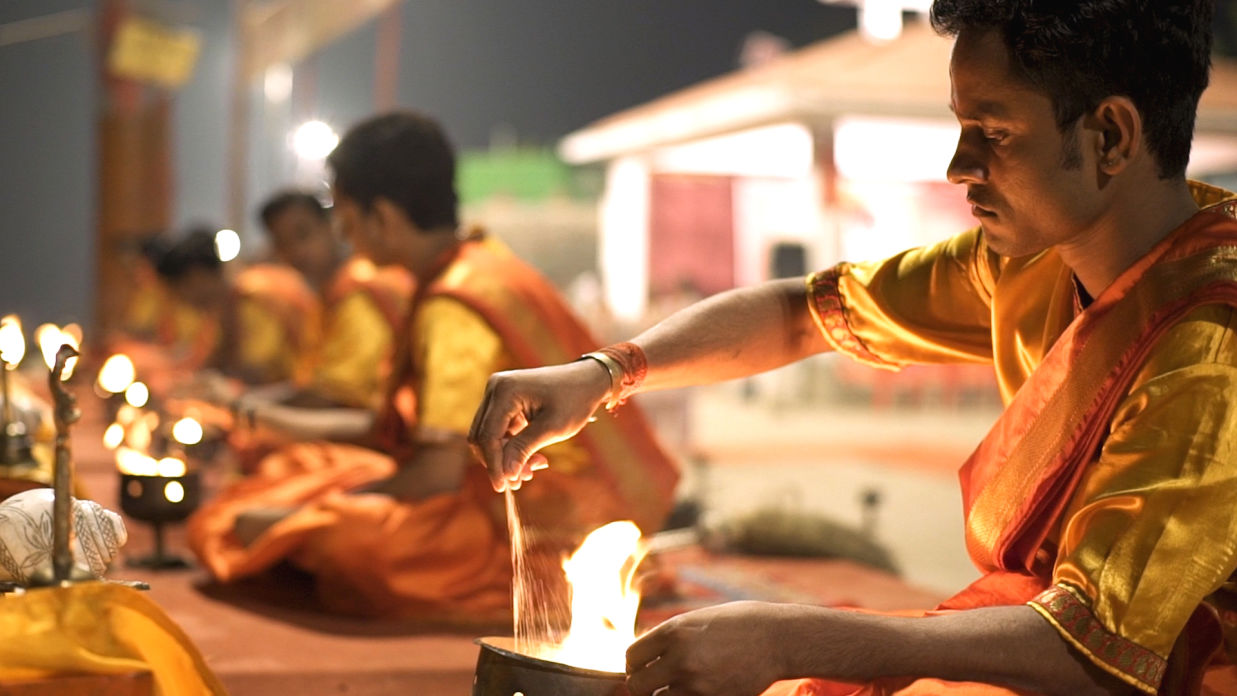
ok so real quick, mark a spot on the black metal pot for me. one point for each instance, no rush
(501, 671)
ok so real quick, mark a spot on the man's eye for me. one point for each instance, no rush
(995, 136)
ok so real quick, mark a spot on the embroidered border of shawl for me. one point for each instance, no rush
(825, 299)
(1072, 616)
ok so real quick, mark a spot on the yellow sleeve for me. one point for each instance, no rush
(456, 352)
(925, 305)
(263, 350)
(356, 351)
(1150, 531)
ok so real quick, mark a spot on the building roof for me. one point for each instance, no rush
(846, 74)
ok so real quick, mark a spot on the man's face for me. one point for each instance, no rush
(201, 288)
(1021, 183)
(361, 229)
(302, 239)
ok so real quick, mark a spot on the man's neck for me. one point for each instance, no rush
(437, 244)
(1135, 223)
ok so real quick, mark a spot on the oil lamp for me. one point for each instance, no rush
(158, 492)
(16, 459)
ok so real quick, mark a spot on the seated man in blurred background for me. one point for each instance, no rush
(415, 530)
(363, 307)
(255, 327)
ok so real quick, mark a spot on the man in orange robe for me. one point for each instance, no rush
(414, 530)
(252, 327)
(1102, 287)
(363, 309)
(363, 305)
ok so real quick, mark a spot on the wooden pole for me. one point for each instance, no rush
(134, 174)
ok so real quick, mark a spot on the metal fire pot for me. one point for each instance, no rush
(501, 671)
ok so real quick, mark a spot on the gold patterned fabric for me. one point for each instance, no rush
(1148, 535)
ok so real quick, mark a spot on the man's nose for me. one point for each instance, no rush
(967, 166)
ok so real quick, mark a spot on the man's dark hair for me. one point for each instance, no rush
(291, 198)
(196, 249)
(1078, 52)
(403, 157)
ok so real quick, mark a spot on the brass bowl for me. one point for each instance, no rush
(501, 671)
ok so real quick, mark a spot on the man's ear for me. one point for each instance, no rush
(391, 216)
(1117, 130)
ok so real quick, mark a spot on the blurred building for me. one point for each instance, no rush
(835, 151)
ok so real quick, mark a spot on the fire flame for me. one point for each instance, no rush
(603, 601)
(131, 461)
(12, 341)
(117, 373)
(50, 337)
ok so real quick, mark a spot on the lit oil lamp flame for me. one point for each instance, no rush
(141, 432)
(603, 600)
(170, 467)
(50, 337)
(130, 461)
(117, 374)
(12, 341)
(137, 394)
(187, 431)
(114, 436)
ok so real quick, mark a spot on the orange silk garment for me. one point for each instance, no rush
(446, 557)
(1103, 496)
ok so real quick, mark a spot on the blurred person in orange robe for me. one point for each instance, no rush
(363, 309)
(412, 528)
(254, 327)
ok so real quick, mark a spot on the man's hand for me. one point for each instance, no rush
(728, 649)
(525, 410)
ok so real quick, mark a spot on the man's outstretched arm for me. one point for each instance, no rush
(734, 334)
(743, 647)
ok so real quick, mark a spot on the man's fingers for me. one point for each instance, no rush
(647, 648)
(520, 456)
(650, 679)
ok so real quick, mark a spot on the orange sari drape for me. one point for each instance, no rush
(444, 558)
(1018, 482)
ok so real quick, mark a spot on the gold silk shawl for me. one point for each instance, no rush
(1045, 513)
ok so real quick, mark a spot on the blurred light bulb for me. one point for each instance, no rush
(277, 83)
(314, 140)
(227, 245)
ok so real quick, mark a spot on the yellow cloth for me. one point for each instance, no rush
(263, 348)
(1149, 534)
(98, 628)
(355, 354)
(455, 351)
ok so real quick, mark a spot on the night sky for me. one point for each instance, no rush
(546, 67)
